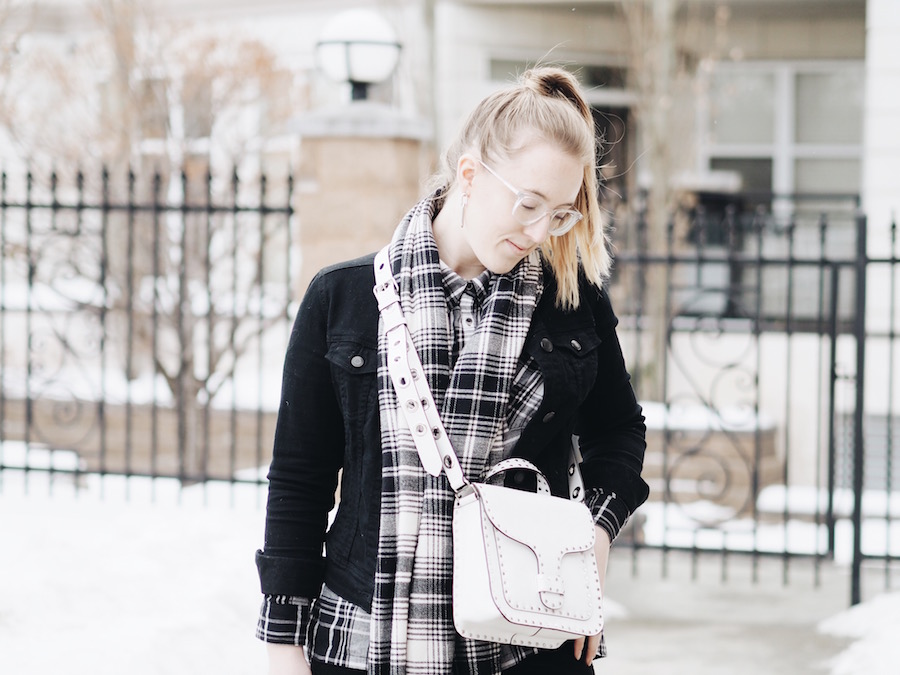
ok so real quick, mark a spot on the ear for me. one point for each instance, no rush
(465, 171)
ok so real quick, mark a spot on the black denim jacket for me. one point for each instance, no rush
(329, 420)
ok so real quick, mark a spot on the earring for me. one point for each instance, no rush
(463, 200)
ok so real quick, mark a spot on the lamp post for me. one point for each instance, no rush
(358, 46)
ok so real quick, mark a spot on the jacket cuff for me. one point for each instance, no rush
(279, 575)
(283, 620)
(609, 511)
(623, 483)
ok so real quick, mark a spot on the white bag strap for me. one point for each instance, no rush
(573, 472)
(512, 463)
(405, 368)
(417, 403)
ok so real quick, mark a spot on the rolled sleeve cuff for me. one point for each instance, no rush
(281, 575)
(283, 619)
(609, 511)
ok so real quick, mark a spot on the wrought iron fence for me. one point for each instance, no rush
(747, 336)
(143, 322)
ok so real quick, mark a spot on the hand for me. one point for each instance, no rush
(287, 660)
(586, 647)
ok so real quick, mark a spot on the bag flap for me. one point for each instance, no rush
(558, 526)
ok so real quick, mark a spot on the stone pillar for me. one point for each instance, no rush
(362, 166)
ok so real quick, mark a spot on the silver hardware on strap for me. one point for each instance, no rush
(435, 451)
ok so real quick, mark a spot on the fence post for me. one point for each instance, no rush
(830, 520)
(859, 331)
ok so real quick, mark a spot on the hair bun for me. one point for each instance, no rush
(556, 83)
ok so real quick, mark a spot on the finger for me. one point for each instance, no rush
(579, 647)
(593, 644)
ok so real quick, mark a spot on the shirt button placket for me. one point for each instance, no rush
(467, 313)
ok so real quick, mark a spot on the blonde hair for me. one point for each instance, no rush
(546, 100)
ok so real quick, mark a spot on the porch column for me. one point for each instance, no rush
(881, 156)
(881, 170)
(881, 204)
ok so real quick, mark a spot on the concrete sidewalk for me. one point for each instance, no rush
(678, 625)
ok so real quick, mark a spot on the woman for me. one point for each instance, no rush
(499, 272)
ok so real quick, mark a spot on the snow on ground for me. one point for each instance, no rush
(875, 625)
(140, 577)
(120, 583)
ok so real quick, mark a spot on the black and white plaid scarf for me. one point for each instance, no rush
(412, 624)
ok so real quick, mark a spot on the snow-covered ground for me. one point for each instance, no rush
(875, 627)
(141, 577)
(116, 580)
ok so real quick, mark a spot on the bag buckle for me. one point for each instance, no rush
(551, 590)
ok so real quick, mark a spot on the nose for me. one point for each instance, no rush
(539, 230)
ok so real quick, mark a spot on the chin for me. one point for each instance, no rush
(501, 266)
(500, 260)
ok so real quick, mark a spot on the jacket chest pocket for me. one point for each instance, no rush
(354, 369)
(568, 362)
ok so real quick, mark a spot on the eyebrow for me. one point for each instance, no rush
(537, 193)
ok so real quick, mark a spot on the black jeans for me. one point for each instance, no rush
(324, 669)
(546, 662)
(553, 661)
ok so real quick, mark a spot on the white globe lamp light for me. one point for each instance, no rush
(358, 46)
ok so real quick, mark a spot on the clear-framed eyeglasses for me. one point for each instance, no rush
(529, 209)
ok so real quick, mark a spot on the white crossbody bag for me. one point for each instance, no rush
(524, 570)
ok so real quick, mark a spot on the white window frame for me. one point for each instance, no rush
(784, 149)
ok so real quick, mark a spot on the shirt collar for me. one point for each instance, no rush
(455, 286)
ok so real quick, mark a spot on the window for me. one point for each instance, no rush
(755, 172)
(742, 108)
(793, 129)
(829, 107)
(802, 119)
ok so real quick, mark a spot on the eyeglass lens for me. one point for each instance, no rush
(529, 210)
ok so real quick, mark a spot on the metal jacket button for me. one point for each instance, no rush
(576, 345)
(546, 345)
(549, 416)
(357, 361)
